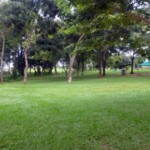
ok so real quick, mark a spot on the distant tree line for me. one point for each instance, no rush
(36, 35)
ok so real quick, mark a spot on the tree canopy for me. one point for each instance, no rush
(68, 29)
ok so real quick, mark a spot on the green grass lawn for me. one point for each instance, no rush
(111, 113)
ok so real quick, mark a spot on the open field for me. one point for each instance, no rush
(111, 113)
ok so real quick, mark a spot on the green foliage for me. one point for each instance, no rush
(43, 56)
(64, 7)
(116, 61)
(105, 25)
(5, 20)
(30, 39)
(47, 8)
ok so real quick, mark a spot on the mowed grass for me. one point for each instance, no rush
(112, 113)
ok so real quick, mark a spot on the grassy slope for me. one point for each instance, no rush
(90, 114)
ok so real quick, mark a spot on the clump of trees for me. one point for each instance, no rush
(39, 34)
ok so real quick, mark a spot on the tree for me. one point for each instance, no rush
(41, 14)
(19, 16)
(104, 22)
(5, 27)
(72, 58)
(29, 38)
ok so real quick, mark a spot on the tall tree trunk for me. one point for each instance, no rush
(14, 72)
(2, 57)
(78, 66)
(26, 65)
(38, 70)
(50, 70)
(43, 70)
(132, 65)
(82, 63)
(100, 64)
(9, 67)
(72, 59)
(35, 72)
(55, 68)
(104, 64)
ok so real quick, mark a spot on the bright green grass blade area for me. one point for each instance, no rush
(112, 113)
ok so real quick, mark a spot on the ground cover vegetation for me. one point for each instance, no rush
(45, 43)
(111, 113)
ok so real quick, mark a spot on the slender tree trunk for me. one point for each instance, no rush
(2, 57)
(82, 63)
(78, 66)
(42, 69)
(104, 64)
(50, 70)
(9, 66)
(55, 68)
(26, 66)
(100, 64)
(72, 59)
(132, 65)
(14, 72)
(65, 70)
(38, 70)
(35, 72)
